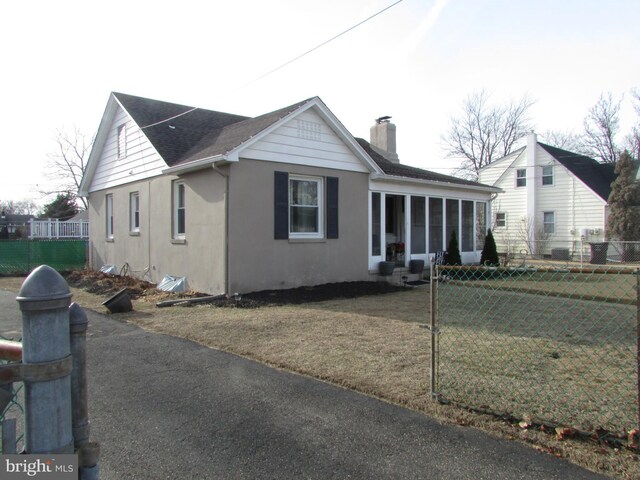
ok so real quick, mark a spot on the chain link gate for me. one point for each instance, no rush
(553, 346)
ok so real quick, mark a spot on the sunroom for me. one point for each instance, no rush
(413, 219)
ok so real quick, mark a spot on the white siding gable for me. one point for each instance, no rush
(490, 175)
(306, 139)
(513, 201)
(139, 160)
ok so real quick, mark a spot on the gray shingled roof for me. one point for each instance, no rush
(196, 133)
(597, 176)
(399, 170)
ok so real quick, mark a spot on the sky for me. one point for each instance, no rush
(417, 62)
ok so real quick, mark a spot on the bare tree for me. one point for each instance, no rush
(18, 207)
(566, 140)
(601, 127)
(483, 133)
(68, 162)
(632, 140)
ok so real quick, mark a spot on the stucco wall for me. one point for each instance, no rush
(152, 253)
(257, 261)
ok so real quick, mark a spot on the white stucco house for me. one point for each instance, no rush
(551, 199)
(285, 199)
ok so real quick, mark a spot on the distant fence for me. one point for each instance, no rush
(545, 345)
(584, 252)
(19, 257)
(54, 228)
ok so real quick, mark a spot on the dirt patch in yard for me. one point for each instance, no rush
(103, 284)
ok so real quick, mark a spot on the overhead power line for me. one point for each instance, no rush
(286, 63)
(318, 46)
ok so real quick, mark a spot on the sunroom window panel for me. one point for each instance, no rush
(418, 230)
(375, 224)
(453, 216)
(481, 224)
(466, 240)
(435, 225)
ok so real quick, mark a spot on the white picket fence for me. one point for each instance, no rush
(54, 228)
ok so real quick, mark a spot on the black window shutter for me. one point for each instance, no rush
(332, 207)
(281, 210)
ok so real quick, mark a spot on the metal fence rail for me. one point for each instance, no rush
(549, 345)
(19, 257)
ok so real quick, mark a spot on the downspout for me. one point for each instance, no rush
(151, 275)
(227, 274)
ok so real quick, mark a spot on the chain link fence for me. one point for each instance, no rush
(552, 345)
(19, 257)
(11, 410)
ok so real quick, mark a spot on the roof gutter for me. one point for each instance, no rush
(201, 164)
(435, 183)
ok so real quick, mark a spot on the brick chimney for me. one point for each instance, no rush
(383, 137)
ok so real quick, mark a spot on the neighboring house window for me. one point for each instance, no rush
(501, 219)
(305, 207)
(122, 140)
(547, 175)
(134, 212)
(521, 177)
(179, 210)
(549, 222)
(109, 215)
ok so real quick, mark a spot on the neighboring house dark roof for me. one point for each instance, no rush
(194, 133)
(81, 215)
(11, 219)
(399, 170)
(597, 176)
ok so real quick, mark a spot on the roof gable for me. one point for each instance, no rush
(175, 130)
(597, 176)
(231, 136)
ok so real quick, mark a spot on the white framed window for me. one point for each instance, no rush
(501, 219)
(109, 215)
(134, 212)
(305, 207)
(521, 177)
(179, 210)
(549, 222)
(122, 140)
(547, 175)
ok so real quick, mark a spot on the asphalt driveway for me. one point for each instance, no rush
(166, 408)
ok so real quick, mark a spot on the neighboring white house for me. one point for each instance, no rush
(552, 199)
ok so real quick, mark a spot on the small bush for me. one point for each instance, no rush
(452, 256)
(489, 255)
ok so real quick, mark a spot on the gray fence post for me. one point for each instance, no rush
(44, 299)
(433, 326)
(88, 452)
(78, 324)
